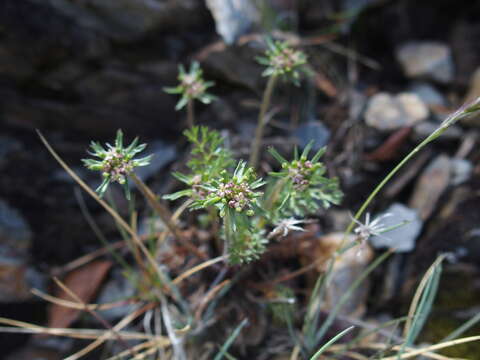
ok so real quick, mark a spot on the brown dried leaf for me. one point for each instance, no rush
(84, 282)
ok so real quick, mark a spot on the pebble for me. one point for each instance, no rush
(428, 94)
(233, 18)
(431, 185)
(388, 112)
(403, 238)
(163, 154)
(345, 272)
(313, 130)
(425, 128)
(461, 171)
(430, 60)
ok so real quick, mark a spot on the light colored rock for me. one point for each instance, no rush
(431, 60)
(462, 171)
(233, 17)
(403, 238)
(388, 112)
(428, 94)
(431, 185)
(346, 270)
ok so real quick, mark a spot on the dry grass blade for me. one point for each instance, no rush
(108, 334)
(107, 207)
(145, 345)
(197, 268)
(206, 299)
(75, 305)
(418, 294)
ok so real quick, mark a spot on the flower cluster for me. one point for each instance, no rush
(304, 184)
(192, 86)
(234, 192)
(115, 162)
(282, 60)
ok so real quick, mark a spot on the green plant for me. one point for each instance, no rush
(233, 193)
(282, 61)
(192, 87)
(116, 163)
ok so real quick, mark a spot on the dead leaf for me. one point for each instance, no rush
(84, 282)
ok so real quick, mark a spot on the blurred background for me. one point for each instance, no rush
(385, 73)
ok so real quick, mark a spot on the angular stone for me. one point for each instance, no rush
(403, 238)
(233, 17)
(387, 112)
(346, 270)
(431, 185)
(431, 60)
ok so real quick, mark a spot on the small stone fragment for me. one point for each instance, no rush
(345, 272)
(233, 17)
(403, 238)
(461, 171)
(431, 60)
(387, 112)
(431, 185)
(315, 131)
(428, 94)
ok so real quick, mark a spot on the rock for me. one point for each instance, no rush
(461, 171)
(428, 94)
(233, 17)
(387, 112)
(431, 185)
(430, 60)
(33, 352)
(118, 288)
(163, 154)
(220, 61)
(16, 277)
(313, 130)
(402, 239)
(346, 270)
(8, 145)
(15, 233)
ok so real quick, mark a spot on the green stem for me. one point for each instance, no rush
(257, 141)
(190, 114)
(452, 119)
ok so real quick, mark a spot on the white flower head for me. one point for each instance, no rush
(287, 225)
(368, 229)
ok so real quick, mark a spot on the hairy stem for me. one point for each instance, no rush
(257, 141)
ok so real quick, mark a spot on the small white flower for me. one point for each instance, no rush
(365, 231)
(287, 225)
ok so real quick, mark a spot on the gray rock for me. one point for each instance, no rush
(233, 17)
(163, 154)
(461, 171)
(428, 94)
(388, 112)
(118, 288)
(403, 238)
(15, 233)
(430, 186)
(313, 130)
(431, 60)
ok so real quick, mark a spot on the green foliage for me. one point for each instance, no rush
(116, 162)
(234, 193)
(303, 185)
(282, 60)
(192, 86)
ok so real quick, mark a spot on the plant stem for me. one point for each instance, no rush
(190, 114)
(257, 141)
(465, 110)
(159, 208)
